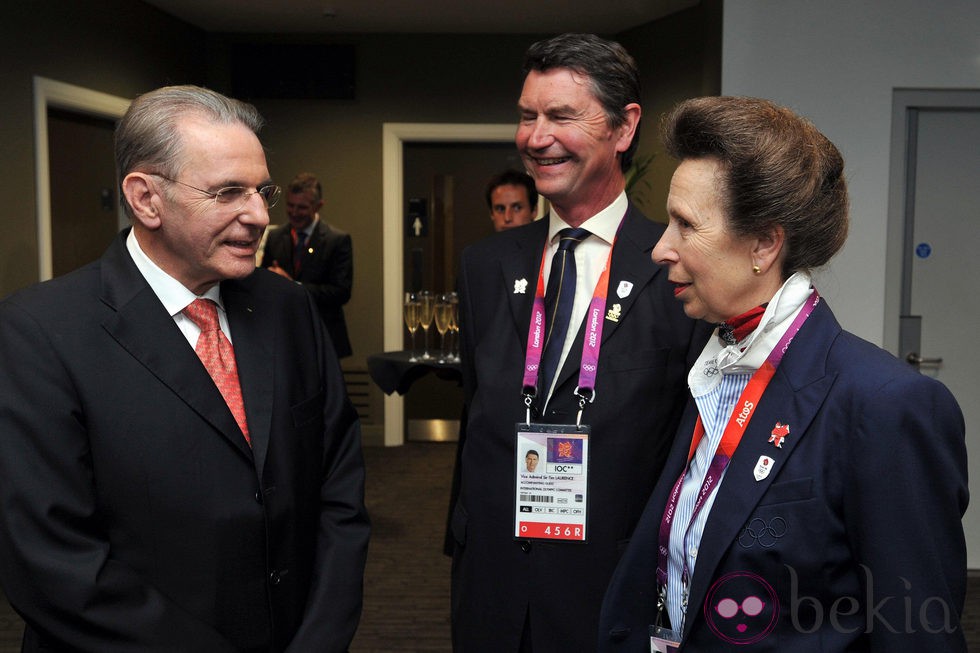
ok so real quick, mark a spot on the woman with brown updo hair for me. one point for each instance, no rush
(814, 494)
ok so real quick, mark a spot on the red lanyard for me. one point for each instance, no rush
(734, 430)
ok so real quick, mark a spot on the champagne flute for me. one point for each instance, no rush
(411, 312)
(443, 315)
(426, 309)
(454, 326)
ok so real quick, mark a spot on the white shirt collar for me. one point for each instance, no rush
(172, 294)
(603, 224)
(308, 229)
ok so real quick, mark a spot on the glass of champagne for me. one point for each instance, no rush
(411, 312)
(426, 309)
(454, 326)
(443, 316)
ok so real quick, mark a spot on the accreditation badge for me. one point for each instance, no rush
(551, 482)
(664, 640)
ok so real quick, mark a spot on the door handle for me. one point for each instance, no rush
(914, 359)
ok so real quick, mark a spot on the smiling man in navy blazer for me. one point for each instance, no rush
(579, 114)
(140, 510)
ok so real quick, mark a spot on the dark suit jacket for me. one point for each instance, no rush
(134, 515)
(856, 528)
(327, 273)
(639, 397)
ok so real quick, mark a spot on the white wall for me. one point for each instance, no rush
(836, 62)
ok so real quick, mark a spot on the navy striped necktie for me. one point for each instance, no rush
(558, 300)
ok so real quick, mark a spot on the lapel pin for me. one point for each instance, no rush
(624, 289)
(763, 467)
(520, 286)
(779, 434)
(614, 313)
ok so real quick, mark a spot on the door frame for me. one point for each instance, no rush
(907, 103)
(394, 136)
(51, 93)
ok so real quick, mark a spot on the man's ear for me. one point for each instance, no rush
(768, 250)
(626, 131)
(144, 200)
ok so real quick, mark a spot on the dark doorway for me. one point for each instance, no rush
(84, 201)
(445, 182)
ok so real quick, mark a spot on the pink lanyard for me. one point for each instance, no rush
(590, 346)
(737, 423)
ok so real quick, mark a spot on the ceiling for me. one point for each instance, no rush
(419, 16)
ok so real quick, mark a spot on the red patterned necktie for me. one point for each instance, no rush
(299, 242)
(215, 351)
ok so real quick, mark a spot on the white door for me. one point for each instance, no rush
(395, 135)
(942, 262)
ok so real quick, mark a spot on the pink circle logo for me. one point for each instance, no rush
(741, 608)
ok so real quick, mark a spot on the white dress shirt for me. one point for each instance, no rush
(590, 259)
(174, 296)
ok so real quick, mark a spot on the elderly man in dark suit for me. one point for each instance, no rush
(606, 359)
(315, 254)
(180, 467)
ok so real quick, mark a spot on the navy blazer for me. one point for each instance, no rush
(853, 541)
(134, 516)
(327, 273)
(640, 391)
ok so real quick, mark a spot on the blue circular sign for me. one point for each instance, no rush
(923, 250)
